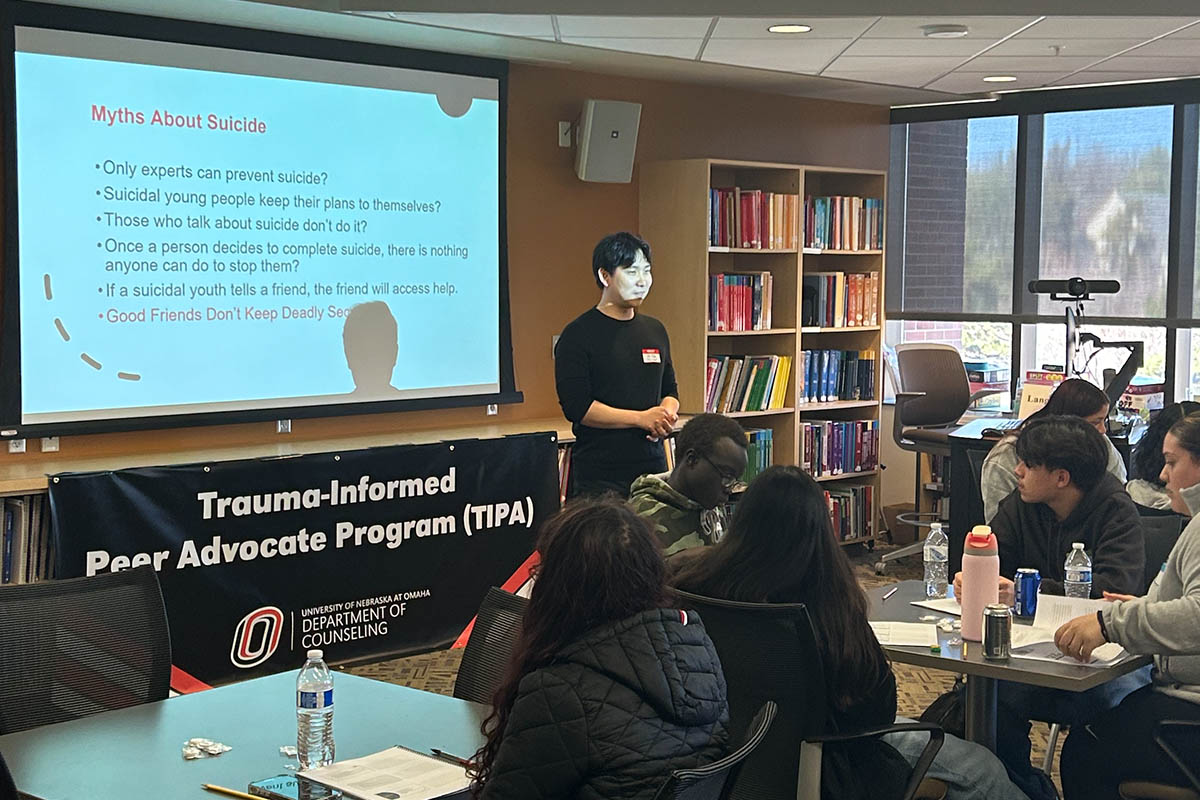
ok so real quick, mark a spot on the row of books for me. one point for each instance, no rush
(838, 375)
(24, 539)
(843, 223)
(852, 511)
(753, 219)
(829, 447)
(759, 447)
(740, 301)
(839, 299)
(746, 383)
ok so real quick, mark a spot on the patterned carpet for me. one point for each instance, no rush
(918, 687)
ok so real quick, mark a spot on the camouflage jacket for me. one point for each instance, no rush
(679, 523)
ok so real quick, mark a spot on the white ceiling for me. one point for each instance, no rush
(888, 56)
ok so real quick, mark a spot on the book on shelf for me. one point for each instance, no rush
(24, 539)
(839, 299)
(740, 301)
(839, 447)
(852, 511)
(753, 219)
(746, 383)
(831, 375)
(843, 223)
(759, 446)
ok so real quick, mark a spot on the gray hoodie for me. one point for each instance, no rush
(998, 477)
(1166, 622)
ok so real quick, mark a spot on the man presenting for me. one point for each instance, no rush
(613, 372)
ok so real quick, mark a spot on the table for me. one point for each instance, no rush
(135, 752)
(967, 658)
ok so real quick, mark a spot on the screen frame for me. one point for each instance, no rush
(136, 26)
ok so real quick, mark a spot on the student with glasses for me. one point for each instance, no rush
(686, 506)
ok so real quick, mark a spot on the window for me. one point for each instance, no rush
(1193, 392)
(1105, 200)
(986, 349)
(1045, 344)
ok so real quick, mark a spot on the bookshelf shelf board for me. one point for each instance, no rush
(833, 405)
(817, 251)
(714, 249)
(850, 329)
(766, 332)
(847, 475)
(770, 412)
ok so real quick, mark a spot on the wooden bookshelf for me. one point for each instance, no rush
(673, 217)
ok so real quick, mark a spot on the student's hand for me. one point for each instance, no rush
(1007, 590)
(656, 421)
(958, 587)
(1079, 637)
(1115, 596)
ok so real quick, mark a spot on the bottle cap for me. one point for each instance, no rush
(316, 654)
(1077, 545)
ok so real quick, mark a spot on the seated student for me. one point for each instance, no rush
(781, 549)
(1075, 398)
(609, 690)
(1118, 745)
(686, 507)
(1064, 495)
(1146, 464)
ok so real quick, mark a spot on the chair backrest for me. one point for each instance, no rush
(72, 648)
(715, 781)
(8, 790)
(768, 652)
(1161, 533)
(488, 651)
(972, 497)
(937, 370)
(1180, 740)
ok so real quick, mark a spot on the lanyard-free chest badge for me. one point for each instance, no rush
(650, 355)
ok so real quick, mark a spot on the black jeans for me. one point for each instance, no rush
(1120, 746)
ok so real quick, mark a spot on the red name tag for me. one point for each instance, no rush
(650, 356)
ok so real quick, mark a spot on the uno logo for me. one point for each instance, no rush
(256, 637)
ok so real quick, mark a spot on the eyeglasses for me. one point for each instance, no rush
(728, 481)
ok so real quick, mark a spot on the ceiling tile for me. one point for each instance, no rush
(903, 72)
(675, 48)
(980, 28)
(1104, 27)
(914, 78)
(972, 83)
(1023, 45)
(1157, 66)
(1170, 46)
(822, 27)
(1192, 32)
(791, 55)
(505, 24)
(641, 27)
(1100, 76)
(1005, 65)
(883, 64)
(960, 48)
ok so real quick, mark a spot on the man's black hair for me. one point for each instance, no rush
(702, 432)
(617, 250)
(1063, 442)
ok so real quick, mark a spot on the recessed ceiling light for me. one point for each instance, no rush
(791, 28)
(945, 31)
(999, 79)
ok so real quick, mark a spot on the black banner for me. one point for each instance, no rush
(379, 552)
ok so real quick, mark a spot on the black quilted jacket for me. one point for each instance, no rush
(615, 713)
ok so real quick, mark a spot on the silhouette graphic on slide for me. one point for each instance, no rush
(370, 339)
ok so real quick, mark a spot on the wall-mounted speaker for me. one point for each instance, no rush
(606, 140)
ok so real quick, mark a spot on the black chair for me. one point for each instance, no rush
(715, 781)
(76, 647)
(1175, 738)
(486, 656)
(8, 790)
(769, 652)
(1161, 532)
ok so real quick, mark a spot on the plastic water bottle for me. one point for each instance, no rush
(937, 555)
(1078, 570)
(314, 712)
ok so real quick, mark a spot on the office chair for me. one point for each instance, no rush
(769, 652)
(715, 781)
(488, 651)
(932, 394)
(77, 647)
(8, 790)
(1174, 738)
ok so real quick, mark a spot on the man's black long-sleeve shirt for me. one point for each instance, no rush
(624, 364)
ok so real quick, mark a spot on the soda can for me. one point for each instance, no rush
(1026, 591)
(997, 632)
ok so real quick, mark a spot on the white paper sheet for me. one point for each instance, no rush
(394, 773)
(905, 634)
(1037, 641)
(946, 605)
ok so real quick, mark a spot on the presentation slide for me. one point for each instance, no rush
(205, 229)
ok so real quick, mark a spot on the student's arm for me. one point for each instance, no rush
(544, 753)
(1165, 627)
(1119, 560)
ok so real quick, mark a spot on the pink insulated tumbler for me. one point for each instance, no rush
(980, 580)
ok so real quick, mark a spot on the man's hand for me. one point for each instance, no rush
(658, 422)
(1007, 590)
(1115, 596)
(1079, 637)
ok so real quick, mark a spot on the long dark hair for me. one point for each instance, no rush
(780, 548)
(1074, 397)
(600, 563)
(1147, 459)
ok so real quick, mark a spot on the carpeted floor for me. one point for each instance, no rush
(917, 687)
